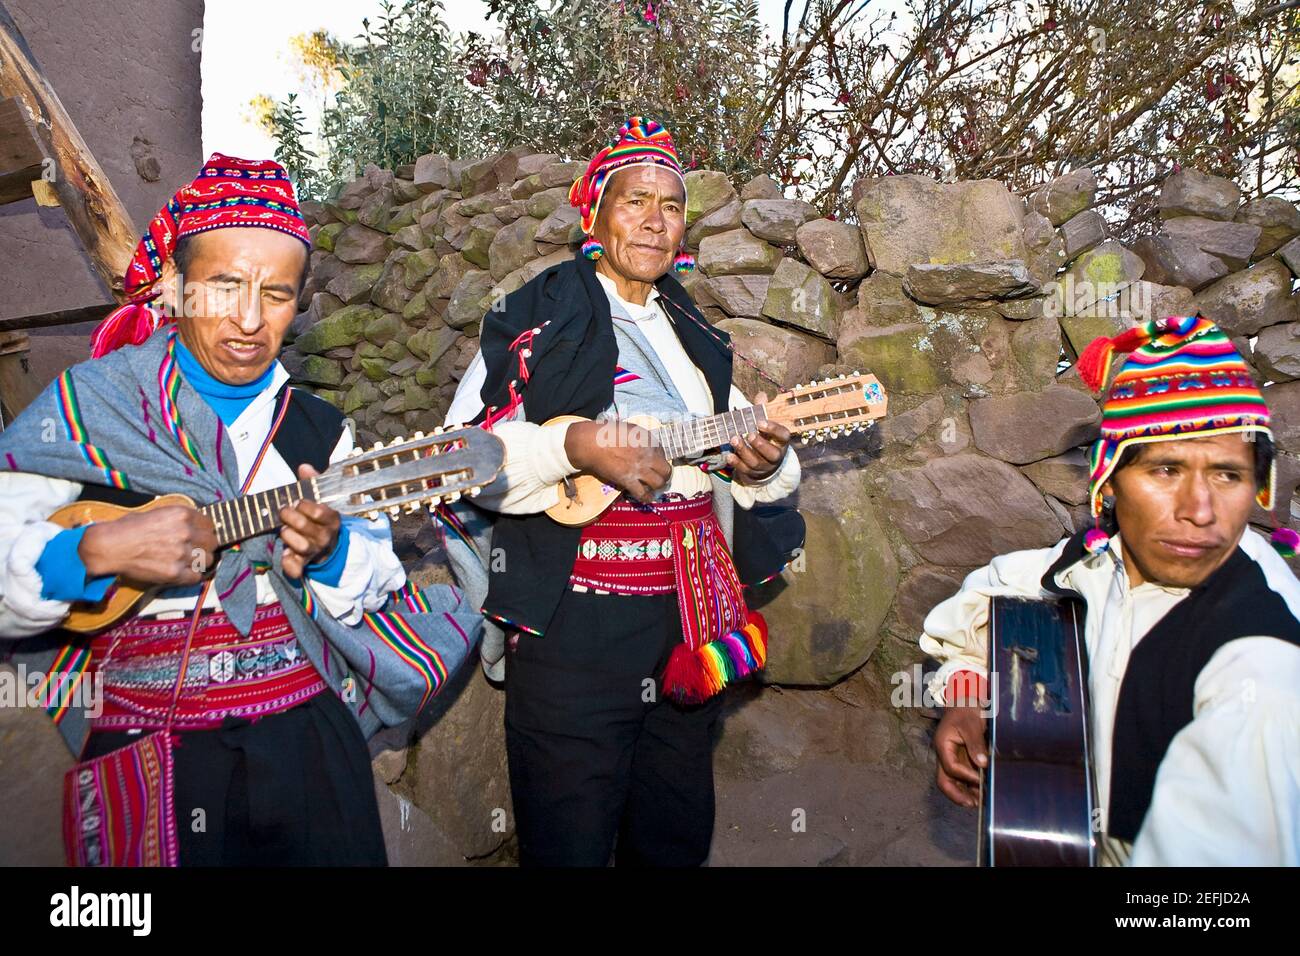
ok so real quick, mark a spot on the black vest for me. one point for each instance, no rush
(571, 372)
(1158, 690)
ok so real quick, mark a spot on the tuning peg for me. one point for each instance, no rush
(417, 436)
(454, 496)
(395, 510)
(843, 377)
(856, 373)
(803, 439)
(413, 507)
(438, 430)
(473, 492)
(435, 501)
(396, 441)
(378, 445)
(354, 452)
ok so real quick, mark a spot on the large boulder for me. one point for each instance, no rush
(826, 625)
(800, 297)
(967, 282)
(761, 187)
(542, 204)
(965, 509)
(1247, 301)
(1083, 232)
(1170, 260)
(451, 269)
(737, 252)
(359, 244)
(1278, 221)
(912, 219)
(723, 219)
(345, 327)
(1191, 193)
(354, 282)
(706, 191)
(1065, 196)
(776, 220)
(1063, 476)
(465, 307)
(784, 355)
(1277, 352)
(456, 772)
(1028, 426)
(1233, 242)
(1095, 276)
(432, 172)
(561, 227)
(834, 249)
(481, 231)
(512, 247)
(738, 295)
(1290, 255)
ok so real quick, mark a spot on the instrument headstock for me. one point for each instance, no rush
(411, 473)
(831, 408)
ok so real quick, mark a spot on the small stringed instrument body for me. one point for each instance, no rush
(1037, 800)
(405, 474)
(122, 594)
(818, 410)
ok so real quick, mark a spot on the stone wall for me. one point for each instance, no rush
(965, 300)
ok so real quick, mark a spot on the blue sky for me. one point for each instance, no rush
(239, 63)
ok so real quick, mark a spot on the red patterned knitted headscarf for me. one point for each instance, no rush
(638, 141)
(227, 192)
(1182, 379)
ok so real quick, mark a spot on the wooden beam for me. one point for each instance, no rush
(21, 159)
(92, 206)
(89, 313)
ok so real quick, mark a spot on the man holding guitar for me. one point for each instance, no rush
(1192, 638)
(642, 604)
(247, 657)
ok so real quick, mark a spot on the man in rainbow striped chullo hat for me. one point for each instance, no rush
(616, 640)
(1192, 635)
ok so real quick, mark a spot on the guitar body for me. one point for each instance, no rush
(1037, 801)
(123, 595)
(583, 497)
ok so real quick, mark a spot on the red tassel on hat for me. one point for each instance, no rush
(1094, 362)
(130, 324)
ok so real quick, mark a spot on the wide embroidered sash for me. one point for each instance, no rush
(678, 546)
(227, 675)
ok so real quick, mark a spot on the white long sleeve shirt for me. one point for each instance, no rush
(1228, 789)
(535, 458)
(370, 572)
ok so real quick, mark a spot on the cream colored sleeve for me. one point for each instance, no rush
(955, 632)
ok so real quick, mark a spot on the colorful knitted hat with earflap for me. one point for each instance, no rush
(1182, 379)
(639, 141)
(227, 192)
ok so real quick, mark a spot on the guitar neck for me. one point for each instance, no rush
(689, 438)
(247, 516)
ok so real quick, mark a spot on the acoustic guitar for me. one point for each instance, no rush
(410, 474)
(1037, 799)
(816, 411)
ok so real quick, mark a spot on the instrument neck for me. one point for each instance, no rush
(236, 519)
(692, 436)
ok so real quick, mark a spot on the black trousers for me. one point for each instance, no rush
(599, 762)
(291, 789)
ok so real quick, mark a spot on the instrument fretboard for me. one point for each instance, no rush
(247, 516)
(690, 437)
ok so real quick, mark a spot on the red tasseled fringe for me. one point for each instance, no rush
(130, 324)
(1094, 362)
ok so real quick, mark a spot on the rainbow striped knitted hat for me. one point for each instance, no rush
(1182, 379)
(638, 141)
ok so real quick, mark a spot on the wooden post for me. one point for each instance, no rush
(92, 206)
